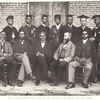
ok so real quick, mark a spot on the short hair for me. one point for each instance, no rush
(70, 34)
(44, 16)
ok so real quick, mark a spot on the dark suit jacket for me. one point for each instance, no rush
(44, 29)
(97, 38)
(46, 51)
(80, 30)
(28, 32)
(73, 30)
(18, 48)
(90, 49)
(8, 30)
(55, 34)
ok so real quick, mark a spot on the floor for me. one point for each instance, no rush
(29, 88)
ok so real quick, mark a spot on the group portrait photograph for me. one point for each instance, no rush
(50, 48)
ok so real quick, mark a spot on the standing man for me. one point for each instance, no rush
(85, 56)
(43, 57)
(96, 38)
(29, 29)
(55, 33)
(43, 28)
(63, 55)
(69, 27)
(6, 58)
(83, 27)
(22, 52)
(10, 30)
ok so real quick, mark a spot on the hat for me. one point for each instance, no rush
(57, 16)
(44, 15)
(30, 16)
(10, 17)
(95, 16)
(69, 15)
(83, 16)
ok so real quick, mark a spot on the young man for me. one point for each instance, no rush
(55, 33)
(6, 58)
(43, 57)
(96, 38)
(63, 55)
(43, 28)
(10, 30)
(29, 29)
(22, 52)
(85, 56)
(69, 27)
(83, 27)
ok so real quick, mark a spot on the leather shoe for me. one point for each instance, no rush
(4, 83)
(70, 85)
(32, 77)
(37, 82)
(19, 83)
(85, 85)
(11, 83)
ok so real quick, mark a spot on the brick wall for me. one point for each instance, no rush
(88, 8)
(17, 9)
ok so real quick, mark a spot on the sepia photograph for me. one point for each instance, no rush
(49, 48)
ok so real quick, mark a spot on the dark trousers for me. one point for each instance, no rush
(41, 63)
(56, 68)
(11, 68)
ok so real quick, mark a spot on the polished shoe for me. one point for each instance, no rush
(37, 82)
(11, 83)
(53, 84)
(70, 85)
(19, 83)
(85, 85)
(32, 78)
(4, 83)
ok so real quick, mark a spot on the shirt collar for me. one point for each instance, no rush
(29, 25)
(2, 41)
(44, 25)
(58, 26)
(10, 26)
(84, 41)
(70, 25)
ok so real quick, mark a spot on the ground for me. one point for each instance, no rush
(29, 88)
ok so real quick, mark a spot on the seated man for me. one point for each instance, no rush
(43, 56)
(22, 52)
(6, 58)
(84, 57)
(63, 55)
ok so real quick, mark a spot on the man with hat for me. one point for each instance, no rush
(83, 27)
(43, 27)
(29, 29)
(69, 27)
(55, 33)
(10, 30)
(85, 56)
(96, 38)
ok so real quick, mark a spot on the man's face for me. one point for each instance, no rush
(97, 21)
(57, 21)
(44, 20)
(70, 20)
(84, 35)
(66, 36)
(10, 22)
(2, 36)
(21, 35)
(42, 36)
(28, 20)
(83, 21)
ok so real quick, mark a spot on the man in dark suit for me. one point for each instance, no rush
(43, 27)
(55, 33)
(83, 27)
(69, 27)
(22, 52)
(43, 56)
(29, 29)
(10, 30)
(6, 58)
(85, 56)
(96, 38)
